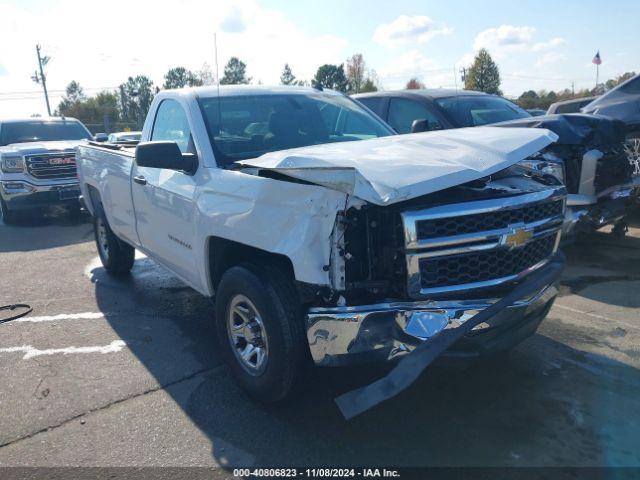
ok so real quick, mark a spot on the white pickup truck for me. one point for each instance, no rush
(38, 165)
(321, 233)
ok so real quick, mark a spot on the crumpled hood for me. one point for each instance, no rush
(393, 169)
(33, 148)
(576, 128)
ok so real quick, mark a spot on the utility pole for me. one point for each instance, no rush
(123, 104)
(42, 61)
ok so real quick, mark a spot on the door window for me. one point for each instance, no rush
(171, 124)
(403, 112)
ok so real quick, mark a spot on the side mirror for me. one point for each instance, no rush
(100, 137)
(165, 155)
(420, 125)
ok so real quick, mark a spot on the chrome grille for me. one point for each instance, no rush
(52, 166)
(446, 227)
(467, 246)
(484, 265)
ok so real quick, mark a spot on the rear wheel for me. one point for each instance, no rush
(260, 330)
(6, 215)
(117, 256)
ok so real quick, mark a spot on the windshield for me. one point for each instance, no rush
(37, 131)
(467, 111)
(242, 127)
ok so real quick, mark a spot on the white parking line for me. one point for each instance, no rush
(30, 352)
(575, 310)
(62, 316)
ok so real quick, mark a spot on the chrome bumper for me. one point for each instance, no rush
(346, 335)
(15, 188)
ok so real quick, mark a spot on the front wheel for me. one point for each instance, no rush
(117, 256)
(260, 331)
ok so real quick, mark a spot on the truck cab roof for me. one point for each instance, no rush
(241, 90)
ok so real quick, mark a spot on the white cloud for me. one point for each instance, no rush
(414, 64)
(550, 58)
(100, 51)
(504, 37)
(408, 29)
(554, 42)
(233, 22)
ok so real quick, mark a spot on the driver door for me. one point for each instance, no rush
(164, 200)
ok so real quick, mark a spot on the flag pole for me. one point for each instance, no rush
(598, 69)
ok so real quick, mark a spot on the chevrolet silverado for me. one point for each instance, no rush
(322, 234)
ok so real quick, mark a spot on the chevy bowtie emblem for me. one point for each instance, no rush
(517, 238)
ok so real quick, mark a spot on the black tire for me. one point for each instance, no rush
(117, 256)
(276, 301)
(7, 216)
(75, 212)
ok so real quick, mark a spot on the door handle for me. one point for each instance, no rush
(140, 180)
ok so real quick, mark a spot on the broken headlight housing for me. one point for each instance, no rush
(555, 168)
(11, 164)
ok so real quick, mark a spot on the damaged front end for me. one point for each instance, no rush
(602, 179)
(434, 229)
(411, 270)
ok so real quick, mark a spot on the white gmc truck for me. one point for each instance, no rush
(321, 233)
(38, 165)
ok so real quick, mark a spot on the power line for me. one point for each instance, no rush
(60, 90)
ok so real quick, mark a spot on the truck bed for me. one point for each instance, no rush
(112, 147)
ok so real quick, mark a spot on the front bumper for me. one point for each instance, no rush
(586, 213)
(349, 335)
(20, 195)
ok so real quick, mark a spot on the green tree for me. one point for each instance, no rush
(614, 82)
(356, 72)
(483, 75)
(235, 73)
(529, 99)
(138, 93)
(287, 77)
(368, 86)
(73, 94)
(97, 113)
(180, 77)
(332, 76)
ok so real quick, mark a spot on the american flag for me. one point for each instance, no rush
(597, 60)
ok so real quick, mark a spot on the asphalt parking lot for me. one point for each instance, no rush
(126, 372)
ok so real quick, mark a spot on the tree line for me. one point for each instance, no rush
(543, 98)
(127, 106)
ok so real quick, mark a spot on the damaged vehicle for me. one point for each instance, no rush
(323, 235)
(623, 103)
(590, 155)
(591, 158)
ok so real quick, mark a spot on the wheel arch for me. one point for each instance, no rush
(223, 254)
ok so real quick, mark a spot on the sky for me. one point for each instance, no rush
(537, 45)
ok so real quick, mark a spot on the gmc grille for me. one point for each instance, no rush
(52, 166)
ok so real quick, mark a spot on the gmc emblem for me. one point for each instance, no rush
(61, 161)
